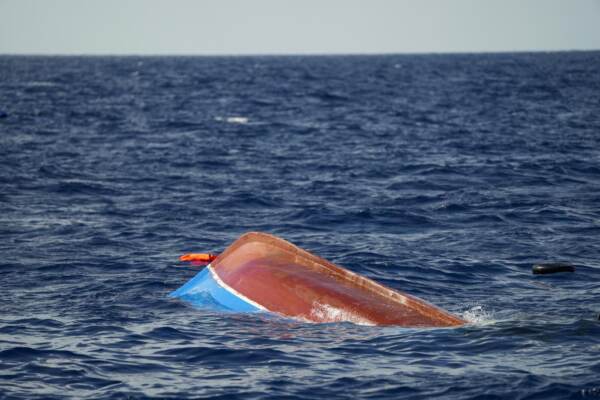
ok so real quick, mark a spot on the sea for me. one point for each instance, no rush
(445, 176)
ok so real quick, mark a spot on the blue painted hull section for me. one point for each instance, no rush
(205, 292)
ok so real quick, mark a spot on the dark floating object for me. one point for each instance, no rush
(3, 114)
(551, 268)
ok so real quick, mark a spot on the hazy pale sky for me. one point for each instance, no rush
(295, 26)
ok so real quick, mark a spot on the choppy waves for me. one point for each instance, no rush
(443, 176)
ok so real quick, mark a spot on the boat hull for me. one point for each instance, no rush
(269, 274)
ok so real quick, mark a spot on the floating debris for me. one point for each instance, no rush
(551, 268)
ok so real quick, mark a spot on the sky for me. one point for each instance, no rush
(224, 27)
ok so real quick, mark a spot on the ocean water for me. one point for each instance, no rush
(443, 176)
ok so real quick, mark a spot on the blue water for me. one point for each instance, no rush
(444, 176)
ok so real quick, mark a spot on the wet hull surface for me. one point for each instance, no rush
(260, 272)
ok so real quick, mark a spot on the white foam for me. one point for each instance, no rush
(236, 120)
(39, 84)
(478, 315)
(328, 313)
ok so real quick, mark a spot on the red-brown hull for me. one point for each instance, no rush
(287, 280)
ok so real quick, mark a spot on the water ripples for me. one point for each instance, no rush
(443, 176)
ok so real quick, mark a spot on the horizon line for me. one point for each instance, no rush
(298, 54)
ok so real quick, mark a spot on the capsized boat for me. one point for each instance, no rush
(263, 273)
